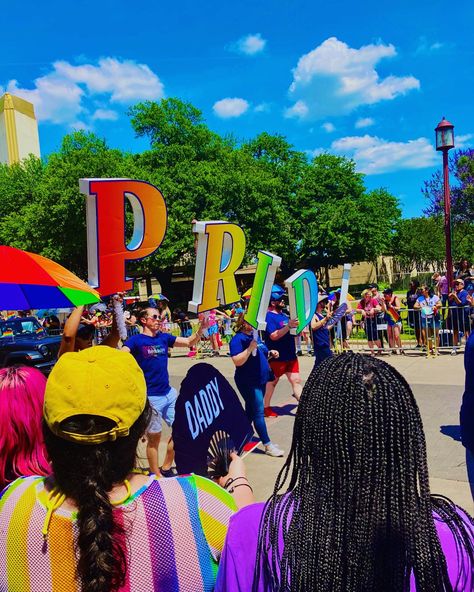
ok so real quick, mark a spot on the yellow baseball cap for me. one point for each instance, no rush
(96, 381)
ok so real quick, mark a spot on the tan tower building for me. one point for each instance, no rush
(18, 129)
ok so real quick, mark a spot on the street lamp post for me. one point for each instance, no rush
(444, 142)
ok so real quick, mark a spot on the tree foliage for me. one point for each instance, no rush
(316, 213)
(461, 168)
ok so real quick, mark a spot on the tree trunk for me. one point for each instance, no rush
(164, 276)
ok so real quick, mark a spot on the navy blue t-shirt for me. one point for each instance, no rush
(286, 345)
(256, 370)
(467, 407)
(321, 338)
(151, 354)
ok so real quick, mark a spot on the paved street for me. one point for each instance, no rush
(438, 387)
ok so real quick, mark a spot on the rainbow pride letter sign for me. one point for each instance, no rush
(107, 250)
(220, 252)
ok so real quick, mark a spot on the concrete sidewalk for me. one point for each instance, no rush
(438, 385)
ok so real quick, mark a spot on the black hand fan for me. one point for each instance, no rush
(218, 454)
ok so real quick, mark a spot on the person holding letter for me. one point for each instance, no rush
(150, 350)
(278, 337)
(252, 372)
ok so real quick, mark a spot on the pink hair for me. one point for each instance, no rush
(22, 450)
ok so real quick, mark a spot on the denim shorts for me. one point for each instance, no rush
(163, 409)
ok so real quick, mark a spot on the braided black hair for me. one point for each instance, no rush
(357, 514)
(86, 473)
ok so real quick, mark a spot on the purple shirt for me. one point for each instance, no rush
(237, 562)
(443, 285)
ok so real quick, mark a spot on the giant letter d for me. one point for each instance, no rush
(107, 250)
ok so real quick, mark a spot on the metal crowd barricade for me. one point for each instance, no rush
(420, 332)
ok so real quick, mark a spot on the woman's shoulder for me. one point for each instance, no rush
(15, 490)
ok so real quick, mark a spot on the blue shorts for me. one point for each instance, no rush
(213, 329)
(163, 409)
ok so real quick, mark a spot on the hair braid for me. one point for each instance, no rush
(357, 512)
(87, 473)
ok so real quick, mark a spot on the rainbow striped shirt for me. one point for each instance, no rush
(175, 534)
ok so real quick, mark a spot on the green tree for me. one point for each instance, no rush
(419, 243)
(50, 217)
(340, 221)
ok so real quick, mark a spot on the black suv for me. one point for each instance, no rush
(24, 341)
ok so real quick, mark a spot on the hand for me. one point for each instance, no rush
(253, 345)
(236, 469)
(119, 296)
(274, 353)
(329, 314)
(293, 323)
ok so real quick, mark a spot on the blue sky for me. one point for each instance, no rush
(352, 78)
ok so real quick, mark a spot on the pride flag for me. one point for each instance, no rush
(8, 333)
(393, 314)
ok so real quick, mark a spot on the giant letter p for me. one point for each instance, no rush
(107, 250)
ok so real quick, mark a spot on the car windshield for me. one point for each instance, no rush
(15, 327)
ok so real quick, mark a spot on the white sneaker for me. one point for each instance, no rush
(273, 450)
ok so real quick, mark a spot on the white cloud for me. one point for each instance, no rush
(262, 108)
(463, 140)
(251, 44)
(328, 127)
(299, 109)
(364, 122)
(426, 47)
(335, 79)
(230, 107)
(105, 115)
(374, 155)
(61, 95)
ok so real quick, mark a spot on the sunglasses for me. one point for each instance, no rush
(155, 317)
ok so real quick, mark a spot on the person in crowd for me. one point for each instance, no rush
(428, 303)
(78, 335)
(252, 372)
(381, 321)
(185, 328)
(351, 509)
(96, 523)
(211, 319)
(391, 306)
(321, 335)
(165, 314)
(22, 450)
(279, 338)
(466, 273)
(459, 311)
(370, 307)
(52, 324)
(466, 416)
(441, 289)
(131, 322)
(150, 349)
(414, 317)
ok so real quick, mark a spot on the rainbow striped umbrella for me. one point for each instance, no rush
(29, 281)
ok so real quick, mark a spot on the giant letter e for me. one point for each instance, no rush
(107, 251)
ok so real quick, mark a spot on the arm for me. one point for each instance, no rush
(316, 324)
(113, 338)
(189, 341)
(243, 494)
(240, 359)
(68, 340)
(279, 333)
